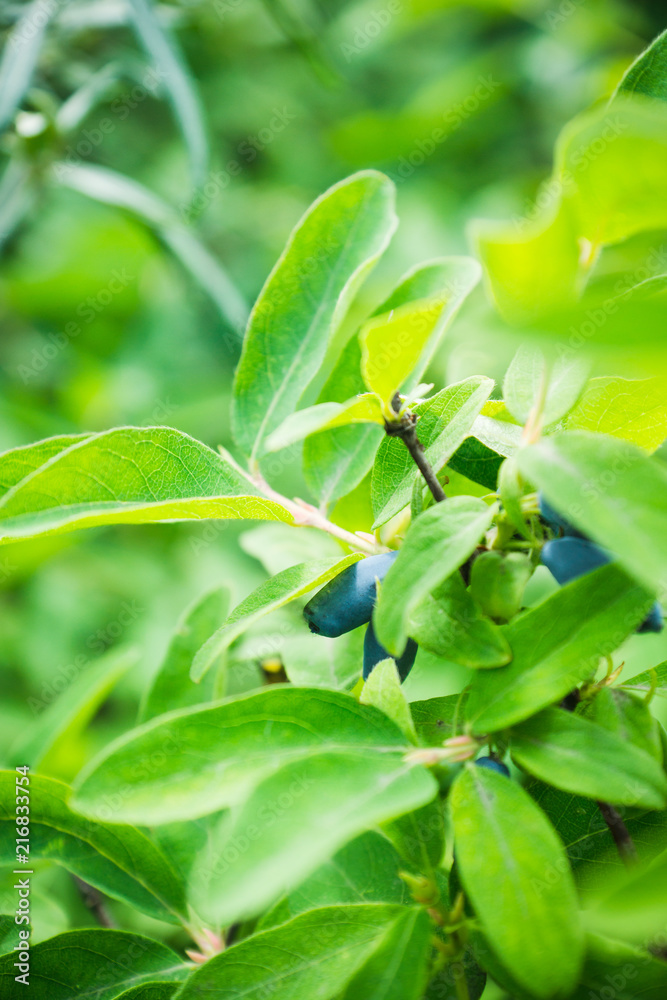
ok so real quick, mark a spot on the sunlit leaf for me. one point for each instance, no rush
(556, 646)
(304, 299)
(131, 475)
(612, 491)
(532, 909)
(199, 760)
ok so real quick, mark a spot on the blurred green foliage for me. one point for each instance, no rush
(459, 103)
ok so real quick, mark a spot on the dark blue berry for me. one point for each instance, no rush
(374, 652)
(556, 521)
(569, 558)
(491, 764)
(346, 602)
(654, 621)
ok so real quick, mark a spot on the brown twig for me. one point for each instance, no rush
(619, 831)
(94, 901)
(405, 428)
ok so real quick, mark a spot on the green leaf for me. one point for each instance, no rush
(531, 911)
(645, 681)
(444, 421)
(270, 595)
(131, 475)
(172, 687)
(648, 73)
(499, 435)
(615, 169)
(628, 717)
(578, 756)
(435, 718)
(450, 623)
(297, 818)
(511, 490)
(530, 267)
(589, 844)
(398, 344)
(556, 646)
(634, 906)
(18, 463)
(150, 991)
(178, 83)
(391, 345)
(329, 253)
(477, 462)
(9, 933)
(20, 55)
(328, 663)
(199, 760)
(337, 460)
(363, 871)
(315, 956)
(383, 689)
(632, 409)
(612, 491)
(498, 581)
(48, 743)
(437, 543)
(629, 971)
(533, 382)
(115, 189)
(419, 837)
(362, 409)
(91, 965)
(119, 860)
(398, 970)
(279, 546)
(449, 278)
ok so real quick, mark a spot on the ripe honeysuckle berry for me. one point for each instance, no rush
(654, 621)
(491, 764)
(346, 602)
(374, 652)
(556, 521)
(569, 558)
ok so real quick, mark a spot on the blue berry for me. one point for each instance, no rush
(374, 652)
(556, 521)
(569, 558)
(346, 602)
(491, 764)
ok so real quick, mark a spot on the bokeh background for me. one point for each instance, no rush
(104, 324)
